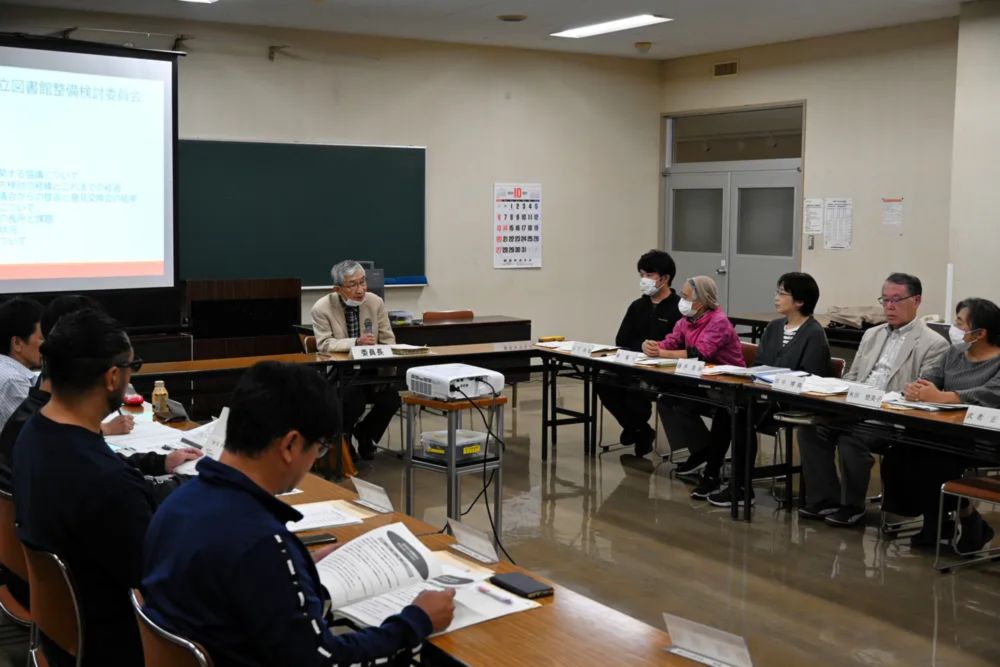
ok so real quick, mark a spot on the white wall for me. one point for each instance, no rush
(975, 221)
(585, 127)
(879, 108)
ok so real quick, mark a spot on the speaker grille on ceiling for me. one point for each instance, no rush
(730, 68)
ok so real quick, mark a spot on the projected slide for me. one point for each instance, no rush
(85, 172)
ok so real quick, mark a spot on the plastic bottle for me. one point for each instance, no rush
(160, 396)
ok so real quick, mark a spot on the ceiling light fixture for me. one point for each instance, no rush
(512, 18)
(204, 2)
(612, 26)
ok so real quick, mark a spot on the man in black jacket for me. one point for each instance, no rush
(74, 497)
(650, 317)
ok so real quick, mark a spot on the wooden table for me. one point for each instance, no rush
(568, 628)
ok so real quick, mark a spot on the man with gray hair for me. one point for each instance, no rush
(349, 316)
(890, 356)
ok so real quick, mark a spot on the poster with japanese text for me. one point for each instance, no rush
(517, 225)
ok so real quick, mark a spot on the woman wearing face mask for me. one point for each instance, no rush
(704, 333)
(969, 372)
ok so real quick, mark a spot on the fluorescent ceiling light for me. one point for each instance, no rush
(205, 2)
(612, 26)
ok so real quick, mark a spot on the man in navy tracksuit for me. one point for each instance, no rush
(221, 568)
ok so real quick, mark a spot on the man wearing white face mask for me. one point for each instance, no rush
(349, 316)
(651, 316)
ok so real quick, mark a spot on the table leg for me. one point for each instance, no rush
(408, 448)
(498, 481)
(748, 460)
(454, 500)
(552, 402)
(586, 411)
(593, 411)
(545, 408)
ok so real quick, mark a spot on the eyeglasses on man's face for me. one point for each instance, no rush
(133, 365)
(323, 448)
(893, 301)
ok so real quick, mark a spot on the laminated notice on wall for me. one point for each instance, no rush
(838, 223)
(892, 216)
(517, 225)
(813, 218)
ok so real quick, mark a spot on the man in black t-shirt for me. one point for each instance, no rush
(650, 317)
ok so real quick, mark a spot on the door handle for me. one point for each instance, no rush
(721, 271)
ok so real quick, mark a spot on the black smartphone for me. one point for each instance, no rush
(319, 538)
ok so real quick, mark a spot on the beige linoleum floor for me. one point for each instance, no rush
(802, 593)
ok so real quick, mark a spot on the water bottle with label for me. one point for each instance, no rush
(159, 399)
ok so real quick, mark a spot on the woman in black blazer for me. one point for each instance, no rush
(795, 341)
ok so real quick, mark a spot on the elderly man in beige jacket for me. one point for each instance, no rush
(889, 357)
(351, 315)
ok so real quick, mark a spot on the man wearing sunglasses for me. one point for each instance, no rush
(889, 357)
(74, 497)
(154, 465)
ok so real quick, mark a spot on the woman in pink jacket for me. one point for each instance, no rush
(704, 333)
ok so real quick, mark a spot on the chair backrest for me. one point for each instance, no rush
(11, 553)
(162, 648)
(432, 315)
(307, 342)
(837, 366)
(749, 353)
(54, 604)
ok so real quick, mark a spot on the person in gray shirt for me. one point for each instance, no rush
(968, 372)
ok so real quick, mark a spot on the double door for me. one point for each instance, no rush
(739, 223)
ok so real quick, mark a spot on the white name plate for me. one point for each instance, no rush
(580, 349)
(789, 383)
(371, 352)
(869, 397)
(689, 367)
(983, 417)
(626, 357)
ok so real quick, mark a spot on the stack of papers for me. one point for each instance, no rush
(767, 377)
(899, 402)
(567, 346)
(375, 575)
(146, 437)
(325, 514)
(657, 361)
(404, 350)
(826, 386)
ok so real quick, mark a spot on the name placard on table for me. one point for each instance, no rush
(581, 349)
(629, 357)
(371, 352)
(790, 383)
(981, 417)
(869, 397)
(689, 367)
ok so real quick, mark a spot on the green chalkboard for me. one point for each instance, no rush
(261, 210)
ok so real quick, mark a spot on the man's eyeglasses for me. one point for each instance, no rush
(324, 448)
(781, 292)
(356, 283)
(895, 301)
(133, 365)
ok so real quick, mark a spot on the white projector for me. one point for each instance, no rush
(449, 382)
